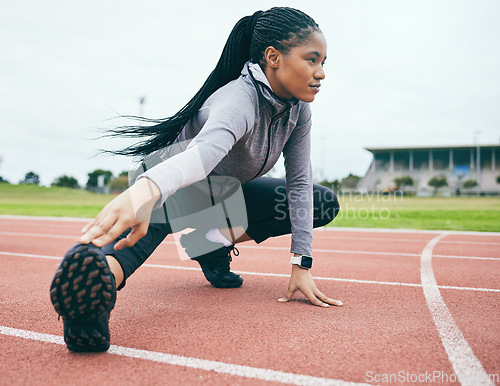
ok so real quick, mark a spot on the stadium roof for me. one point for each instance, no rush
(380, 149)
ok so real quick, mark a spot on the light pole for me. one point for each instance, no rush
(142, 100)
(478, 163)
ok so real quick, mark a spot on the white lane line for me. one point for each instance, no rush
(43, 218)
(393, 240)
(361, 252)
(467, 367)
(75, 237)
(42, 235)
(323, 229)
(31, 255)
(194, 363)
(413, 231)
(467, 257)
(274, 274)
(262, 247)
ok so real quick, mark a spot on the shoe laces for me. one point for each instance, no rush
(232, 249)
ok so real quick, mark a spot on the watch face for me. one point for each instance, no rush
(307, 262)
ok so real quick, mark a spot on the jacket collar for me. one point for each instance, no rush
(254, 69)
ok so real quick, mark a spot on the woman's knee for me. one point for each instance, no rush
(326, 205)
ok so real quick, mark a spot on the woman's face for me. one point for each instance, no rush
(299, 73)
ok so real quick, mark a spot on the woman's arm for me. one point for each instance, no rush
(226, 122)
(300, 203)
(223, 122)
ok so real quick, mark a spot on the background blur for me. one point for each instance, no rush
(412, 73)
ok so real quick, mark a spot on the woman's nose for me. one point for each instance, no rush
(319, 74)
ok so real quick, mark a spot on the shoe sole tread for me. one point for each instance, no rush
(82, 284)
(82, 293)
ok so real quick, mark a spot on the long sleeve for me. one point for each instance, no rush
(225, 122)
(299, 184)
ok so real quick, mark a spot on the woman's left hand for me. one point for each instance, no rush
(301, 280)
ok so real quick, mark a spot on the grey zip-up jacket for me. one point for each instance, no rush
(240, 131)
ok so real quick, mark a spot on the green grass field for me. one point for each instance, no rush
(32, 200)
(439, 213)
(377, 211)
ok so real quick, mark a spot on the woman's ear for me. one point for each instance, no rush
(272, 57)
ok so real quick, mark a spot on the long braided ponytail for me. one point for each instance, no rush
(280, 27)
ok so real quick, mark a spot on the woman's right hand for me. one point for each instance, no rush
(302, 280)
(130, 209)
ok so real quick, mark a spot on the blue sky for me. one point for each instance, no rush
(399, 73)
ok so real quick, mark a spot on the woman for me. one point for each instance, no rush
(210, 158)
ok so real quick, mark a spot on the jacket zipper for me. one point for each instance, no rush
(273, 120)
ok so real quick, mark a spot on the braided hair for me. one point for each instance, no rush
(280, 27)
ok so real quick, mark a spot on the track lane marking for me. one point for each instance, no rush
(190, 362)
(365, 252)
(42, 235)
(469, 370)
(318, 236)
(273, 274)
(75, 239)
(405, 240)
(358, 252)
(323, 229)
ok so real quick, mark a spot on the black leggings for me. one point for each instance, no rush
(266, 216)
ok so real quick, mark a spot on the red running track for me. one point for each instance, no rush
(419, 307)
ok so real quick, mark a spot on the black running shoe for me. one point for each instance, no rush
(214, 259)
(83, 292)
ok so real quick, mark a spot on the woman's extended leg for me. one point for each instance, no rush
(124, 262)
(83, 290)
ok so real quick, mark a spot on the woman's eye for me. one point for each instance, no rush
(312, 60)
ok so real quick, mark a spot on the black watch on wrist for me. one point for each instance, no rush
(303, 261)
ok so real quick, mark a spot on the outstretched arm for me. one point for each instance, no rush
(224, 126)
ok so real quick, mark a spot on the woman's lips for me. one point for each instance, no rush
(315, 88)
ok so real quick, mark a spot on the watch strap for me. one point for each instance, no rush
(296, 260)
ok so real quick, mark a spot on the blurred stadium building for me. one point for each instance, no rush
(457, 163)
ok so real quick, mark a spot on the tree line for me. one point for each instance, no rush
(436, 182)
(120, 182)
(106, 177)
(400, 183)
